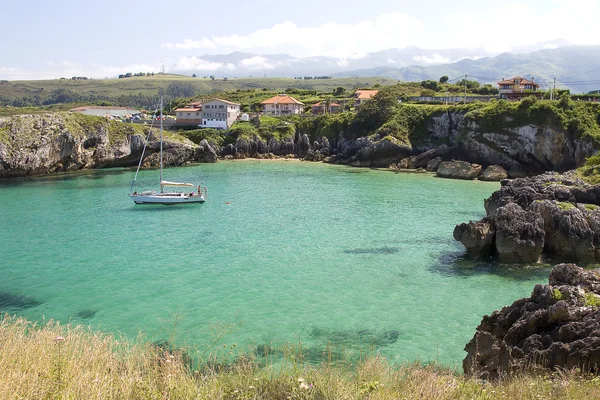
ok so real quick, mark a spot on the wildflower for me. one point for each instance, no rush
(300, 380)
(304, 386)
(59, 338)
(251, 387)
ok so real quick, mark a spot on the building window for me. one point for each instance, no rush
(221, 106)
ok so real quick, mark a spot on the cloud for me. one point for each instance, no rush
(198, 64)
(257, 62)
(334, 39)
(519, 25)
(434, 59)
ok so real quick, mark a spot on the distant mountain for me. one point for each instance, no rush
(576, 67)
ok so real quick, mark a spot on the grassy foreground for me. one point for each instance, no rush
(66, 362)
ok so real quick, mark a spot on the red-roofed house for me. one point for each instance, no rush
(190, 115)
(360, 96)
(282, 104)
(516, 88)
(319, 108)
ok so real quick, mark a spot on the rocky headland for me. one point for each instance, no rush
(557, 327)
(551, 214)
(47, 143)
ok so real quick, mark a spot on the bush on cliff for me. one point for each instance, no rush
(214, 137)
(577, 118)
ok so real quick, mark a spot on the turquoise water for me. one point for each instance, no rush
(355, 259)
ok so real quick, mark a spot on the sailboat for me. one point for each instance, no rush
(196, 195)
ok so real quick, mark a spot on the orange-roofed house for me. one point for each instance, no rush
(282, 104)
(319, 108)
(190, 115)
(516, 88)
(360, 96)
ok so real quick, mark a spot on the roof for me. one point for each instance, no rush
(188, 109)
(223, 101)
(319, 104)
(522, 81)
(282, 99)
(365, 94)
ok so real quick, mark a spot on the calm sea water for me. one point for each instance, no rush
(342, 259)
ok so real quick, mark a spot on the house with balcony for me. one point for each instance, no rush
(320, 107)
(517, 88)
(220, 114)
(190, 115)
(360, 96)
(282, 104)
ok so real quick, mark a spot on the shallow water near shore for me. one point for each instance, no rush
(344, 260)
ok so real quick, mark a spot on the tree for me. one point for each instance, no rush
(444, 79)
(375, 112)
(339, 91)
(193, 75)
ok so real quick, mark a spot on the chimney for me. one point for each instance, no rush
(532, 79)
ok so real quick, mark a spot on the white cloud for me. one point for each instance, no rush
(198, 64)
(518, 25)
(257, 62)
(338, 40)
(434, 59)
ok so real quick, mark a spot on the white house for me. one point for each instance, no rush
(282, 104)
(219, 114)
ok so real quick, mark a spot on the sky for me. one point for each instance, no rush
(64, 38)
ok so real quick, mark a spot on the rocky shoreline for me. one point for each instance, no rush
(557, 327)
(447, 144)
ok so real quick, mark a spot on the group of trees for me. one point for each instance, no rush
(312, 77)
(129, 74)
(431, 87)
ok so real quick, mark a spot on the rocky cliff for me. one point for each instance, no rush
(46, 143)
(558, 327)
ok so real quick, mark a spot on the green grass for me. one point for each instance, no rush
(54, 361)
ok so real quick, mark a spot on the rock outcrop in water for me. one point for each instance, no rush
(551, 214)
(46, 143)
(557, 327)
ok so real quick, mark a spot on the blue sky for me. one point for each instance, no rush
(65, 38)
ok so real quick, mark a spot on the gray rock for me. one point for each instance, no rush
(568, 234)
(519, 234)
(433, 164)
(494, 173)
(458, 170)
(557, 327)
(477, 237)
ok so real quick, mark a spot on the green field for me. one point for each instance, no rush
(135, 91)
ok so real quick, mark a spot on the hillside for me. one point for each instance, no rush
(142, 91)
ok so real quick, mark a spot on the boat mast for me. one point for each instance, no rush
(161, 143)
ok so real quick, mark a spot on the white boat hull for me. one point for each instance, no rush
(166, 198)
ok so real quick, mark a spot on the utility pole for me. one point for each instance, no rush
(552, 90)
(465, 88)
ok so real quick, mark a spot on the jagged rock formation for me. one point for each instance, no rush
(557, 327)
(551, 213)
(41, 144)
